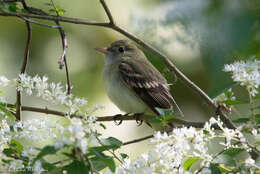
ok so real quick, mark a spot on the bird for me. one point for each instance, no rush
(132, 83)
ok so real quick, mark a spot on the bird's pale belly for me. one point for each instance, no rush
(123, 97)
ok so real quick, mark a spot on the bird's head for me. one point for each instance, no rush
(120, 49)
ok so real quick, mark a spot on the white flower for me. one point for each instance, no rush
(250, 162)
(254, 132)
(15, 165)
(228, 95)
(37, 168)
(246, 73)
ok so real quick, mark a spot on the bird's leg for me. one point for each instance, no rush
(137, 118)
(116, 118)
(223, 107)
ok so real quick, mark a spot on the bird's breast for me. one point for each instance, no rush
(119, 93)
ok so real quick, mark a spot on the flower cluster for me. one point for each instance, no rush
(171, 151)
(52, 92)
(227, 95)
(246, 73)
(74, 132)
(34, 129)
(77, 133)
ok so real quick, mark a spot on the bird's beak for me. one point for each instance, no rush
(102, 50)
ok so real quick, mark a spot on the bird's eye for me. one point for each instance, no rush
(121, 49)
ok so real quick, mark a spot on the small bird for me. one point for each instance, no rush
(132, 83)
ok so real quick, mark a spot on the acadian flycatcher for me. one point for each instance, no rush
(132, 83)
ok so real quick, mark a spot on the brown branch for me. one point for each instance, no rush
(59, 18)
(38, 23)
(138, 140)
(109, 15)
(63, 60)
(26, 56)
(108, 118)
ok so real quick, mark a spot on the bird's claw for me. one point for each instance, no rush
(138, 120)
(117, 121)
(223, 107)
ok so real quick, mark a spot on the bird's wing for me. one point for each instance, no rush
(147, 83)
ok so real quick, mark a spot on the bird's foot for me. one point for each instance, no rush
(223, 107)
(117, 120)
(137, 119)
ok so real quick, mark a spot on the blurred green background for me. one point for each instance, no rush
(200, 36)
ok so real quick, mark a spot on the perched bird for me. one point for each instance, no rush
(132, 83)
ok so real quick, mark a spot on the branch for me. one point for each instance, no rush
(26, 55)
(38, 23)
(138, 140)
(109, 15)
(59, 18)
(126, 117)
(63, 60)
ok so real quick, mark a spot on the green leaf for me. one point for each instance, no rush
(225, 159)
(97, 163)
(47, 150)
(188, 163)
(9, 7)
(123, 155)
(241, 120)
(233, 151)
(18, 147)
(7, 112)
(257, 118)
(234, 102)
(60, 10)
(214, 169)
(164, 112)
(9, 151)
(48, 166)
(107, 160)
(12, 7)
(155, 120)
(15, 148)
(168, 117)
(111, 141)
(102, 125)
(205, 132)
(77, 167)
(257, 107)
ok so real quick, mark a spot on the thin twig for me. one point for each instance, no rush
(26, 56)
(63, 60)
(59, 18)
(109, 15)
(25, 60)
(109, 118)
(138, 140)
(38, 23)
